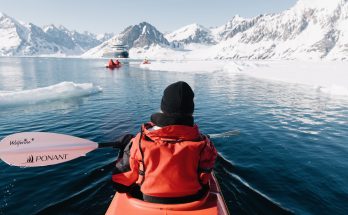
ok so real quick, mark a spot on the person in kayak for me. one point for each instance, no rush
(169, 160)
(117, 62)
(111, 64)
(146, 61)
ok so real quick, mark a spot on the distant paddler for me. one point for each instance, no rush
(113, 65)
(146, 61)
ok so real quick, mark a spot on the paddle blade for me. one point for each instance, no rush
(33, 149)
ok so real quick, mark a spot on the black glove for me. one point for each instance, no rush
(123, 141)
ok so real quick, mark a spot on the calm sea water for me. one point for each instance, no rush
(290, 157)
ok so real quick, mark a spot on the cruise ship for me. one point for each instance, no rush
(117, 51)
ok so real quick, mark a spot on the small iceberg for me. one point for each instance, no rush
(61, 91)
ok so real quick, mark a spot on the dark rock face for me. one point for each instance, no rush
(142, 35)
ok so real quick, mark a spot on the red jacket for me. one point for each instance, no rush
(173, 161)
(111, 63)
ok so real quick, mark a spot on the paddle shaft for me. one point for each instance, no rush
(115, 145)
(32, 149)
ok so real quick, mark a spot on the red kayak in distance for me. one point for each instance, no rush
(212, 204)
(113, 65)
(116, 66)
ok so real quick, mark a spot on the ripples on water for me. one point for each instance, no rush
(289, 154)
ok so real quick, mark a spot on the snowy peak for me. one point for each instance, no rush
(321, 9)
(6, 21)
(21, 39)
(236, 25)
(4, 16)
(52, 27)
(319, 4)
(141, 35)
(49, 28)
(193, 33)
(12, 35)
(59, 36)
(104, 37)
(85, 40)
(71, 39)
(312, 29)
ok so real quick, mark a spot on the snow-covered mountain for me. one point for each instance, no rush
(141, 36)
(193, 33)
(236, 25)
(104, 37)
(309, 30)
(65, 37)
(21, 39)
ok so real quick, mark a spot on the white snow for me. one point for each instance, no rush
(185, 66)
(310, 30)
(22, 39)
(317, 31)
(325, 76)
(318, 4)
(155, 52)
(144, 30)
(8, 34)
(185, 32)
(63, 90)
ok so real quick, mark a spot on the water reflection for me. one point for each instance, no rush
(290, 153)
(11, 74)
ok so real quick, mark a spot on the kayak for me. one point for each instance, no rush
(212, 204)
(113, 67)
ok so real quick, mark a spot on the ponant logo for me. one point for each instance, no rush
(43, 158)
(30, 159)
(21, 142)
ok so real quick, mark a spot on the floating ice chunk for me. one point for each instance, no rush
(63, 90)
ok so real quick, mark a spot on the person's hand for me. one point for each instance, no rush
(123, 141)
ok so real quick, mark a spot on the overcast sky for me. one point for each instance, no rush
(99, 16)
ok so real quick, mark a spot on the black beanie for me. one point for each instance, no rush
(178, 99)
(177, 106)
